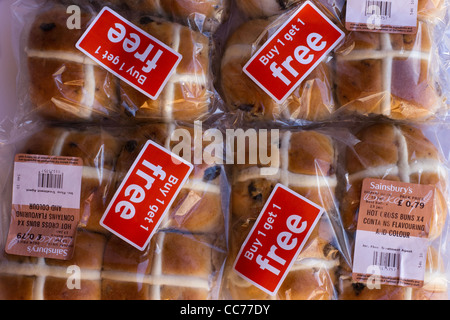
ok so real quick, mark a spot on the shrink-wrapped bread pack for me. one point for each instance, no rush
(396, 153)
(305, 161)
(311, 101)
(60, 83)
(41, 278)
(188, 251)
(184, 259)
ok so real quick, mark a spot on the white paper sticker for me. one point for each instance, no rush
(389, 16)
(38, 182)
(400, 261)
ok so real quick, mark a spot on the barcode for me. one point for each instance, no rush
(50, 180)
(386, 259)
(379, 8)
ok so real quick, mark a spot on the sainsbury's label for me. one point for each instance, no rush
(392, 232)
(129, 53)
(45, 206)
(388, 16)
(145, 195)
(278, 236)
(293, 52)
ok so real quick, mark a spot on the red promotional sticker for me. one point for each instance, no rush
(290, 55)
(277, 238)
(145, 195)
(129, 53)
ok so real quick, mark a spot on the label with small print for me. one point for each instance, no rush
(393, 226)
(145, 195)
(45, 206)
(129, 53)
(388, 16)
(293, 52)
(278, 236)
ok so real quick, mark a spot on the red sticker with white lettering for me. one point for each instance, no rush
(129, 53)
(293, 52)
(145, 195)
(276, 239)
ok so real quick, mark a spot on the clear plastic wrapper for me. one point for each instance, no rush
(394, 75)
(184, 259)
(304, 161)
(58, 82)
(402, 153)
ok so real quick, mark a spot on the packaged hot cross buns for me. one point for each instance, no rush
(392, 75)
(394, 193)
(186, 255)
(44, 243)
(303, 161)
(311, 100)
(63, 80)
(188, 94)
(57, 81)
(183, 260)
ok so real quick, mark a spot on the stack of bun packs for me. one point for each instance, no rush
(227, 150)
